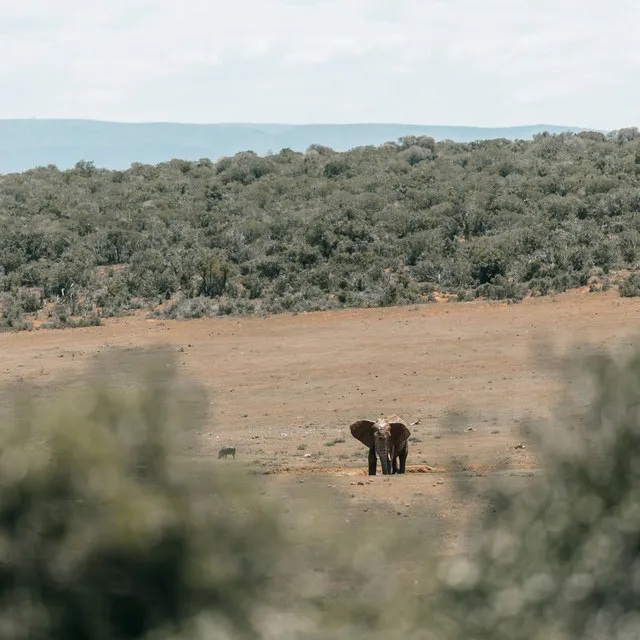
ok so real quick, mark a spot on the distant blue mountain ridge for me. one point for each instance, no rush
(25, 144)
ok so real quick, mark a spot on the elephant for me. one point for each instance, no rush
(386, 439)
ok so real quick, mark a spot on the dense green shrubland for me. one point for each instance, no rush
(299, 231)
(107, 530)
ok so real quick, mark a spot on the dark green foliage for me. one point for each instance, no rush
(487, 263)
(213, 269)
(501, 289)
(12, 316)
(336, 168)
(299, 231)
(31, 302)
(630, 288)
(105, 537)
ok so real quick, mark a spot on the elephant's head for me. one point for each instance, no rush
(385, 437)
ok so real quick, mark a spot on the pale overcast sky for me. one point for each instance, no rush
(456, 62)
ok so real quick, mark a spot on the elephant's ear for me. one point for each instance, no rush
(362, 431)
(399, 432)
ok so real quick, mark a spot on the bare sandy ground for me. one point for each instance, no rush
(284, 389)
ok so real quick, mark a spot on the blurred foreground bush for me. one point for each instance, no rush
(108, 531)
(102, 534)
(560, 560)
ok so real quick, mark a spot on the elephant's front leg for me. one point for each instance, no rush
(373, 461)
(403, 458)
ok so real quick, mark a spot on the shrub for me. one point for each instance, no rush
(336, 168)
(12, 314)
(501, 289)
(459, 215)
(487, 263)
(108, 532)
(31, 302)
(553, 560)
(189, 309)
(214, 272)
(102, 535)
(630, 288)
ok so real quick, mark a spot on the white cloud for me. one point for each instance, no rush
(496, 62)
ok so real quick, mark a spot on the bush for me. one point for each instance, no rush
(31, 302)
(557, 558)
(109, 532)
(213, 269)
(501, 289)
(11, 316)
(104, 536)
(487, 262)
(459, 215)
(630, 288)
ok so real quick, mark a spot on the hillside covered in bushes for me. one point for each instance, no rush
(295, 231)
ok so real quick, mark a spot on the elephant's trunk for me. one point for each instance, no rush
(385, 462)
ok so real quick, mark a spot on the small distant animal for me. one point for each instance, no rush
(227, 451)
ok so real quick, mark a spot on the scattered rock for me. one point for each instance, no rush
(361, 484)
(520, 445)
(307, 455)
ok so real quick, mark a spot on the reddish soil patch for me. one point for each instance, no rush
(284, 389)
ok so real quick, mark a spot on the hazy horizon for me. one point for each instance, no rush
(322, 123)
(26, 143)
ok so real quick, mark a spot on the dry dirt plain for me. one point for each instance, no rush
(285, 388)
